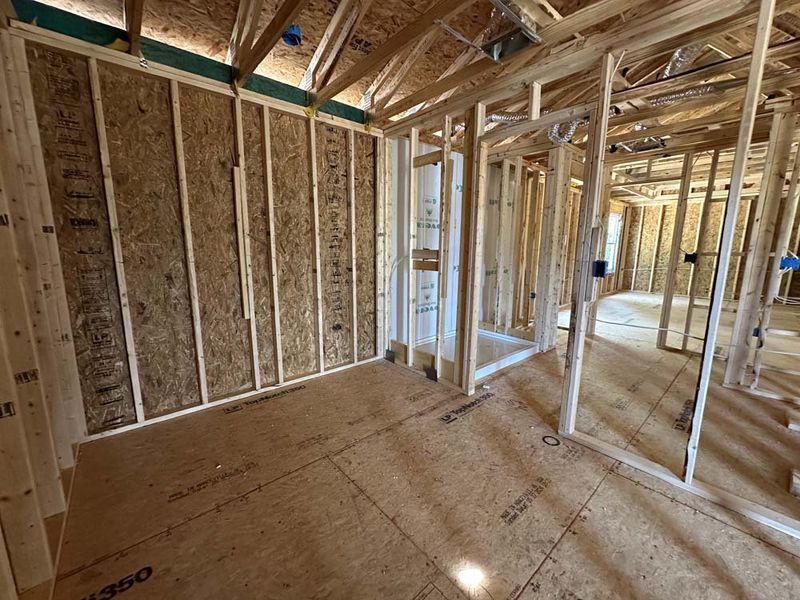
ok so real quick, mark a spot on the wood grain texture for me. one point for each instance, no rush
(294, 239)
(253, 131)
(636, 214)
(207, 121)
(690, 225)
(139, 126)
(649, 234)
(60, 82)
(664, 247)
(706, 264)
(365, 169)
(335, 244)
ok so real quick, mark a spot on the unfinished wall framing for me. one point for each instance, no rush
(176, 300)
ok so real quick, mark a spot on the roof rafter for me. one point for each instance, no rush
(343, 24)
(249, 58)
(244, 29)
(134, 10)
(380, 56)
(550, 35)
(395, 72)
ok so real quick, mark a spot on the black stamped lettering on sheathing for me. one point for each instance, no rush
(684, 419)
(7, 409)
(522, 502)
(239, 406)
(28, 376)
(209, 482)
(462, 410)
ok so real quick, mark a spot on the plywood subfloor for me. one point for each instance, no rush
(375, 482)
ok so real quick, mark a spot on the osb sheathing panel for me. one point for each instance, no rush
(704, 271)
(294, 241)
(690, 225)
(365, 245)
(139, 127)
(258, 217)
(204, 27)
(207, 120)
(664, 247)
(130, 488)
(741, 238)
(646, 247)
(335, 250)
(634, 218)
(63, 100)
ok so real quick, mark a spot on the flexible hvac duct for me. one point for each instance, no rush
(672, 97)
(506, 117)
(683, 58)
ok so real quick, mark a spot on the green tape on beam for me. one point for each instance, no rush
(100, 34)
(186, 61)
(67, 23)
(276, 89)
(345, 111)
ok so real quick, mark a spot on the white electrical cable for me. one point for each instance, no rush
(650, 328)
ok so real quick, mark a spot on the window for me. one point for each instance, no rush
(612, 240)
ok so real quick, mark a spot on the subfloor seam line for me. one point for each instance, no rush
(187, 520)
(702, 512)
(392, 521)
(605, 476)
(564, 532)
(62, 576)
(657, 403)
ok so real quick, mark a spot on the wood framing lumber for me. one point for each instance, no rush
(588, 233)
(344, 22)
(675, 250)
(134, 10)
(22, 299)
(119, 264)
(445, 206)
(752, 96)
(759, 246)
(34, 252)
(473, 212)
(699, 246)
(244, 28)
(380, 56)
(15, 316)
(785, 223)
(314, 176)
(273, 264)
(547, 281)
(20, 515)
(249, 58)
(187, 239)
(396, 71)
(411, 246)
(246, 264)
(61, 326)
(639, 34)
(598, 284)
(431, 158)
(500, 257)
(469, 72)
